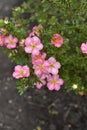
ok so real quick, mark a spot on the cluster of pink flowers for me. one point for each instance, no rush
(47, 70)
(8, 41)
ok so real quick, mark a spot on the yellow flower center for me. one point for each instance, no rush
(51, 65)
(56, 40)
(38, 57)
(33, 46)
(40, 67)
(54, 81)
(22, 72)
(10, 41)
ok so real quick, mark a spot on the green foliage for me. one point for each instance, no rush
(66, 17)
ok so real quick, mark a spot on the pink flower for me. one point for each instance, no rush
(84, 48)
(38, 58)
(22, 43)
(36, 28)
(54, 82)
(33, 45)
(35, 31)
(43, 81)
(38, 85)
(41, 69)
(53, 66)
(11, 41)
(21, 71)
(57, 40)
(2, 40)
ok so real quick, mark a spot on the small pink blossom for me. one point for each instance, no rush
(43, 81)
(11, 42)
(22, 43)
(57, 40)
(35, 31)
(84, 48)
(33, 45)
(38, 85)
(41, 69)
(53, 66)
(38, 58)
(36, 28)
(21, 71)
(54, 82)
(2, 40)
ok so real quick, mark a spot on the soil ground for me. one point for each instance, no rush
(36, 109)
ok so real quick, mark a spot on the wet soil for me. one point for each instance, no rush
(36, 109)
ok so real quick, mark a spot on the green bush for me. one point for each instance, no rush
(64, 17)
